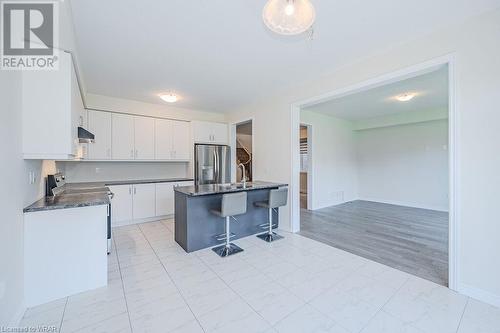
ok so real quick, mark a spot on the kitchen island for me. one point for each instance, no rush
(196, 227)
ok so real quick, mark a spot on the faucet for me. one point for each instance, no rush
(244, 177)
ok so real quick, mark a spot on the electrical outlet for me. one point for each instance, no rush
(338, 196)
(97, 170)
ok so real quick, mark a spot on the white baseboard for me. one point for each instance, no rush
(479, 294)
(406, 204)
(18, 316)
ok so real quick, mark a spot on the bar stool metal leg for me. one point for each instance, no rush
(228, 248)
(270, 236)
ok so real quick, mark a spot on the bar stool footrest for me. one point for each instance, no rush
(225, 251)
(270, 237)
(222, 237)
(266, 227)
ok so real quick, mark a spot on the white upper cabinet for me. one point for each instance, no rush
(220, 133)
(164, 139)
(52, 111)
(208, 132)
(123, 137)
(181, 140)
(172, 140)
(122, 141)
(144, 138)
(100, 125)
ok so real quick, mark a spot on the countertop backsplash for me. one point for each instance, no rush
(77, 172)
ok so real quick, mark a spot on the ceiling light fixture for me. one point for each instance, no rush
(405, 97)
(288, 17)
(169, 98)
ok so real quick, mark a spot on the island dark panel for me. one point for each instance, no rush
(196, 227)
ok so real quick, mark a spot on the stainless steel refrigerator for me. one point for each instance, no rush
(212, 164)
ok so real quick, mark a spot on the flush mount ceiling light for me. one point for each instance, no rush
(288, 17)
(405, 97)
(169, 98)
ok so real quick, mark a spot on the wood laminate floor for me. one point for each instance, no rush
(410, 239)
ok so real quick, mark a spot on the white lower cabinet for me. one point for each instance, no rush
(144, 201)
(122, 204)
(164, 199)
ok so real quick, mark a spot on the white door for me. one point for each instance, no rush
(163, 139)
(122, 137)
(181, 140)
(144, 138)
(202, 131)
(121, 205)
(219, 133)
(164, 199)
(144, 201)
(100, 125)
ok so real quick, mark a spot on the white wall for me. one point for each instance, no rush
(19, 193)
(107, 103)
(105, 171)
(333, 163)
(401, 118)
(477, 68)
(405, 164)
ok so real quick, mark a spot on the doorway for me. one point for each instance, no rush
(305, 169)
(449, 243)
(244, 149)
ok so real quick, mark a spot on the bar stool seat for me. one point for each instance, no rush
(232, 205)
(277, 198)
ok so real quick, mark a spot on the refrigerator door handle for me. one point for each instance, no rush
(215, 166)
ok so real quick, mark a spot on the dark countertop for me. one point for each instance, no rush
(87, 194)
(225, 188)
(63, 201)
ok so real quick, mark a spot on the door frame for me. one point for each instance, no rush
(310, 191)
(232, 143)
(453, 158)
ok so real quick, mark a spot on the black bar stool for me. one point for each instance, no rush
(277, 198)
(232, 205)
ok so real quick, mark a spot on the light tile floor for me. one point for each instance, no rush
(294, 285)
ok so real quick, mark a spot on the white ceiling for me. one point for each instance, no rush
(431, 92)
(218, 55)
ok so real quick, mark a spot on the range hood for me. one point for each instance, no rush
(85, 136)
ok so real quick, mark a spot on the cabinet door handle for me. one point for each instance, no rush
(108, 152)
(130, 190)
(132, 153)
(135, 190)
(136, 153)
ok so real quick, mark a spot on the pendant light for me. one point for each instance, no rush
(288, 17)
